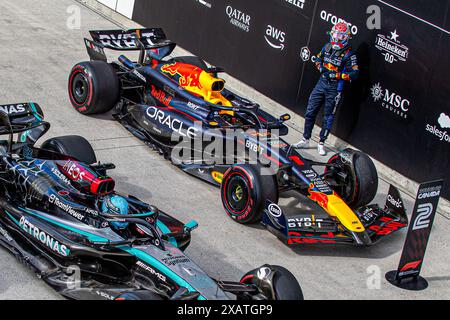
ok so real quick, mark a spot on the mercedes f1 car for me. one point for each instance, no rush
(158, 98)
(52, 218)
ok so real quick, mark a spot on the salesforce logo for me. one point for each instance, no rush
(440, 132)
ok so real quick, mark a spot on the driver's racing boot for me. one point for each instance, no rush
(321, 149)
(302, 144)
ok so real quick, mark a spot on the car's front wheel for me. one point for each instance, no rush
(244, 191)
(274, 282)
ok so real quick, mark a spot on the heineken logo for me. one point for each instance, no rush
(392, 49)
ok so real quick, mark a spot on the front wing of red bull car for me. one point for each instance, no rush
(332, 200)
(339, 209)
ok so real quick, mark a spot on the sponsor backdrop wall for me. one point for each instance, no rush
(399, 109)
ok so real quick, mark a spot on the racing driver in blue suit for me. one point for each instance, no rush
(337, 64)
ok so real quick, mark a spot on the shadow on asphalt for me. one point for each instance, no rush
(103, 116)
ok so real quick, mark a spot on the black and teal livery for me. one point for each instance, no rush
(50, 219)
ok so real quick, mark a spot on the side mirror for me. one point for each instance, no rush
(190, 226)
(285, 117)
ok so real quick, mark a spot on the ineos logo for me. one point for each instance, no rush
(74, 171)
(275, 210)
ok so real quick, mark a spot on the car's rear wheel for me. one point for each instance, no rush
(354, 178)
(93, 87)
(244, 191)
(73, 146)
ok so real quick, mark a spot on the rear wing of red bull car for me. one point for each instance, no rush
(153, 39)
(304, 228)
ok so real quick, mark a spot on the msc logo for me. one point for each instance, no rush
(391, 100)
(423, 218)
(275, 37)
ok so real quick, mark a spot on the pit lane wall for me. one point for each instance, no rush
(398, 111)
(124, 7)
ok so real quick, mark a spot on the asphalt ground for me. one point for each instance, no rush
(38, 50)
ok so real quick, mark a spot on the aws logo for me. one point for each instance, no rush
(275, 37)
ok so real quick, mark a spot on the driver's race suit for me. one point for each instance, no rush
(336, 67)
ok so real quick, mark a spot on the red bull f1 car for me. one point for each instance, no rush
(52, 218)
(159, 97)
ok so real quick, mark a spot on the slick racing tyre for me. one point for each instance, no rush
(94, 87)
(284, 285)
(244, 192)
(355, 177)
(73, 146)
(192, 60)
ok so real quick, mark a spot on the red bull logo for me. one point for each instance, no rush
(189, 76)
(161, 96)
(331, 67)
(320, 198)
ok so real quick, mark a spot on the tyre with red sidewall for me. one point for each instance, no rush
(94, 87)
(244, 192)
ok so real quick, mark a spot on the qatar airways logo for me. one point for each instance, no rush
(238, 18)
